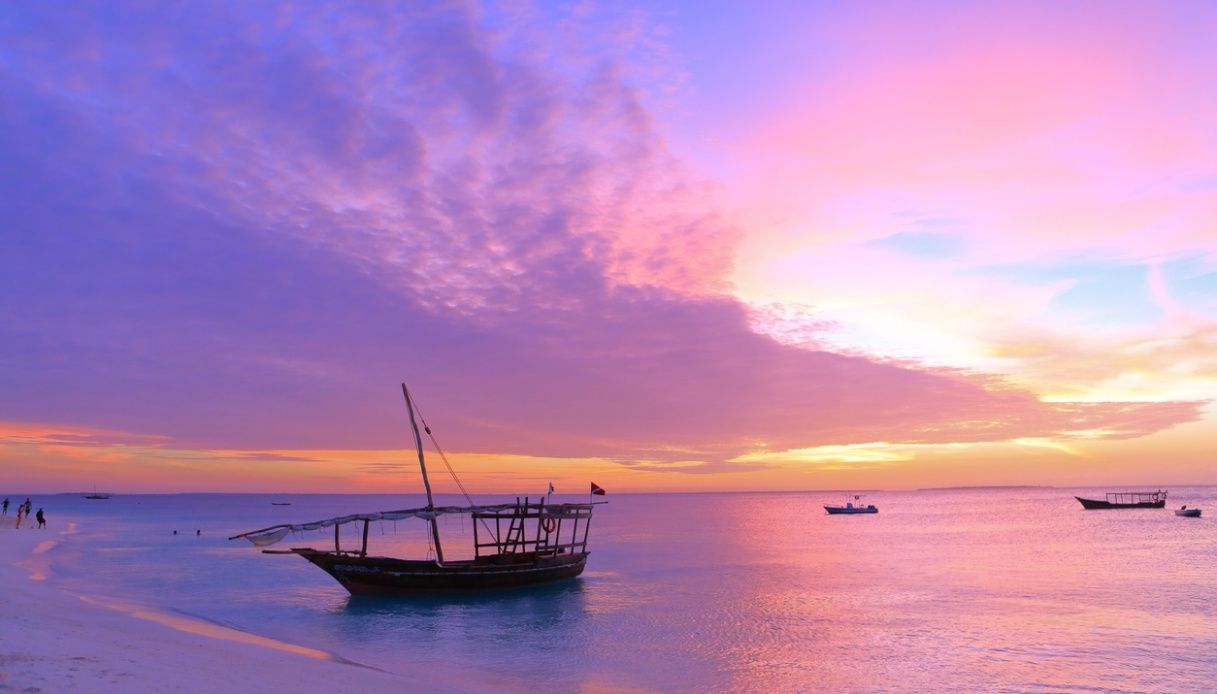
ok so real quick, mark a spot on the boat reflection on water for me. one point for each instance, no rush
(556, 598)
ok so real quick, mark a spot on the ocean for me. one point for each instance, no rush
(966, 590)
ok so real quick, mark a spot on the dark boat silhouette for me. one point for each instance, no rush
(1126, 500)
(851, 508)
(514, 544)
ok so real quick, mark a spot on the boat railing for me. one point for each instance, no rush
(546, 529)
(524, 526)
(1135, 497)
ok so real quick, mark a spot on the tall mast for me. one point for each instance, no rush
(418, 442)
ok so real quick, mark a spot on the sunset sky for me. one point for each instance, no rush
(665, 245)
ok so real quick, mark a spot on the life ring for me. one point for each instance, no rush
(549, 525)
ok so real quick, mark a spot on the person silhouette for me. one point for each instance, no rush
(5, 507)
(41, 519)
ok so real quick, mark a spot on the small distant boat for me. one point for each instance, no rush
(513, 544)
(280, 503)
(1188, 512)
(851, 507)
(96, 494)
(1126, 500)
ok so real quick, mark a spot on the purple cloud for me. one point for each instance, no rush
(240, 225)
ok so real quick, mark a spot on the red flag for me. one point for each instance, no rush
(597, 489)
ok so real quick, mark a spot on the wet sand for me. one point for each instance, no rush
(57, 641)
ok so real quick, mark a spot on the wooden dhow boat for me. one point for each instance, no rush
(96, 494)
(514, 544)
(1126, 500)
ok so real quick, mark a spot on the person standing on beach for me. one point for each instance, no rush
(5, 506)
(19, 510)
(28, 506)
(41, 519)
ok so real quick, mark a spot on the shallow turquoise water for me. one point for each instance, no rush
(959, 590)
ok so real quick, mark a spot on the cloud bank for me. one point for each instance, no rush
(238, 226)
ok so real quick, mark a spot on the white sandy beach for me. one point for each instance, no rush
(55, 641)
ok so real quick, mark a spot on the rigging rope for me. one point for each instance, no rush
(447, 464)
(435, 443)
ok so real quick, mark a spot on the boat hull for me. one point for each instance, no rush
(844, 510)
(388, 576)
(1188, 512)
(1093, 504)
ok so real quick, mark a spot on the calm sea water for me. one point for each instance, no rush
(960, 591)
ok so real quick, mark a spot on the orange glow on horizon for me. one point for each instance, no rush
(53, 468)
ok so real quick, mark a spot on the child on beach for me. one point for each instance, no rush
(41, 519)
(5, 507)
(19, 510)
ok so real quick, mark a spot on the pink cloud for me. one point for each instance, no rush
(1032, 122)
(239, 227)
